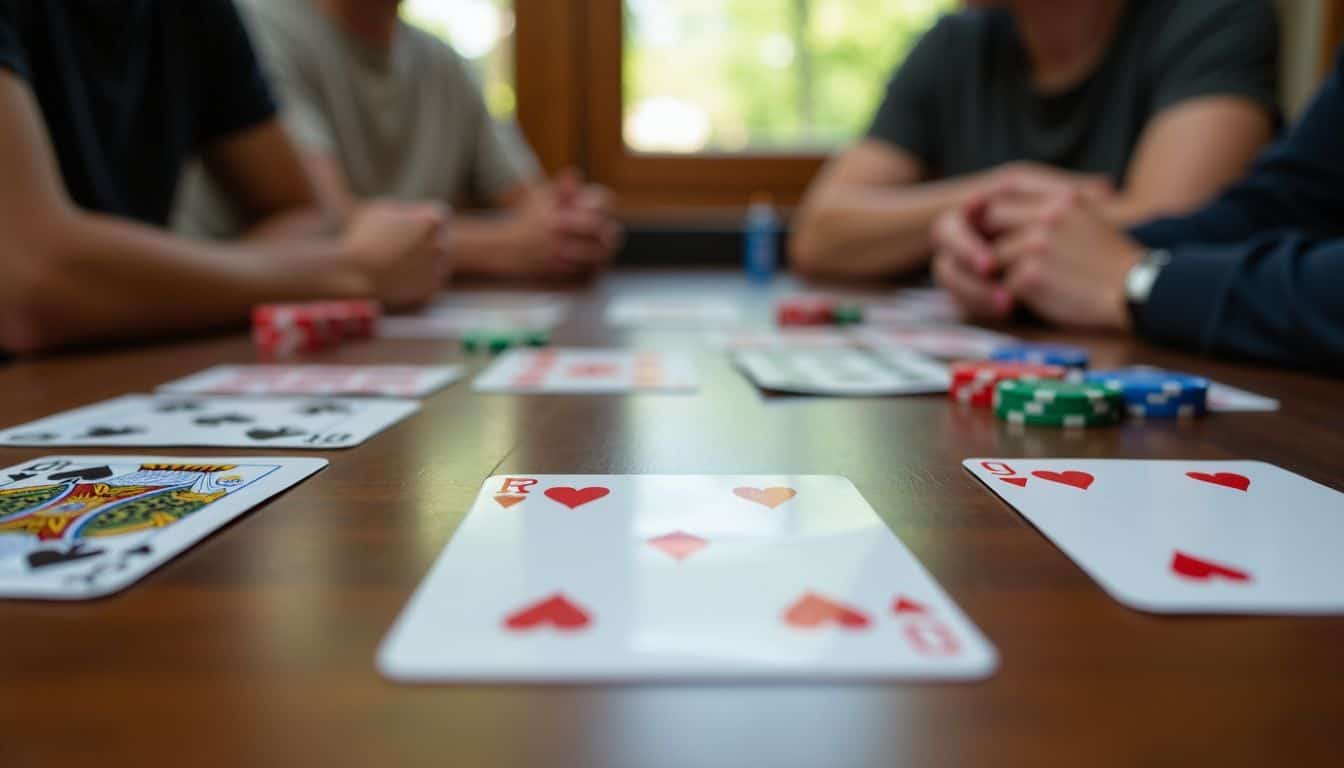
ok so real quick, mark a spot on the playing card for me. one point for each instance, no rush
(453, 315)
(662, 311)
(947, 342)
(588, 371)
(912, 306)
(78, 527)
(1185, 536)
(629, 577)
(782, 338)
(232, 422)
(317, 380)
(1227, 399)
(843, 372)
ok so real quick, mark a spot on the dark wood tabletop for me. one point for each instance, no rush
(256, 647)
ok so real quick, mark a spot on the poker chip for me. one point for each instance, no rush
(284, 330)
(1043, 354)
(1059, 403)
(1151, 393)
(497, 341)
(805, 310)
(973, 383)
(847, 314)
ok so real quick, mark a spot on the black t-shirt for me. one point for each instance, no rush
(964, 100)
(130, 89)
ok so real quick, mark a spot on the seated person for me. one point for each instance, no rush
(1149, 107)
(101, 104)
(1259, 273)
(385, 110)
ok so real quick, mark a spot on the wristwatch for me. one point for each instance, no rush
(1140, 280)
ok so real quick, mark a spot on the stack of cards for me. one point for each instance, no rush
(619, 577)
(454, 315)
(661, 311)
(1185, 536)
(318, 380)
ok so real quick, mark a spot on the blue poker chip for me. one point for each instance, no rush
(1042, 354)
(1157, 394)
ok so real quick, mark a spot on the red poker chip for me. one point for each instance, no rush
(974, 382)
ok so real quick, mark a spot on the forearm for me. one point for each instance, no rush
(874, 232)
(100, 277)
(1275, 298)
(484, 246)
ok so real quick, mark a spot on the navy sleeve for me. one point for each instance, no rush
(907, 116)
(1276, 298)
(13, 56)
(1297, 184)
(239, 96)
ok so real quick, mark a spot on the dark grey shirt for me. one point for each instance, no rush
(964, 100)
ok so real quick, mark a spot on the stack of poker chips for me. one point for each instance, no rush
(1043, 354)
(286, 330)
(1151, 393)
(973, 383)
(497, 341)
(1055, 403)
(813, 310)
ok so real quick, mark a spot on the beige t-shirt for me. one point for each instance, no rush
(408, 123)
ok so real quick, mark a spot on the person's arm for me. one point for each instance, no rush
(1189, 153)
(80, 276)
(1295, 185)
(1277, 298)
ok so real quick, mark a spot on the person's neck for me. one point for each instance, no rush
(372, 22)
(1066, 39)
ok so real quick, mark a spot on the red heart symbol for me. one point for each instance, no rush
(904, 604)
(576, 497)
(813, 610)
(1226, 479)
(556, 610)
(1020, 482)
(1203, 570)
(768, 497)
(1071, 477)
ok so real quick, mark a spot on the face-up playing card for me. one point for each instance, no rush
(778, 338)
(661, 311)
(631, 577)
(230, 422)
(843, 372)
(1185, 536)
(947, 342)
(917, 306)
(454, 315)
(318, 380)
(78, 527)
(587, 371)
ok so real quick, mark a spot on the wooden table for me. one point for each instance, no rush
(256, 647)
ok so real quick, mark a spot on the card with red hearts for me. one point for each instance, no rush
(591, 578)
(1185, 537)
(588, 371)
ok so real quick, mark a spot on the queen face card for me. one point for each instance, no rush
(79, 527)
(577, 578)
(1185, 536)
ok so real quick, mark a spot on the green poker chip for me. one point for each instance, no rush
(847, 314)
(1058, 391)
(497, 341)
(1069, 421)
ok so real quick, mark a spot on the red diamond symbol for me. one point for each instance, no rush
(678, 545)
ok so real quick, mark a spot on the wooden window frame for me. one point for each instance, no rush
(570, 105)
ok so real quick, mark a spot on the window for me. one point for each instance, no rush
(482, 32)
(731, 76)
